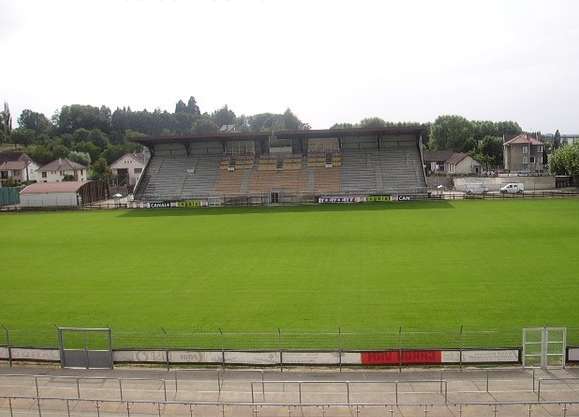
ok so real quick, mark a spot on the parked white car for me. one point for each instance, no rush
(513, 188)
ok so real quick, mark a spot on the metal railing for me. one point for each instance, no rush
(441, 382)
(157, 408)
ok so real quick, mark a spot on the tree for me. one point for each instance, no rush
(82, 158)
(342, 126)
(31, 120)
(100, 170)
(491, 150)
(180, 107)
(192, 107)
(565, 160)
(223, 116)
(452, 132)
(557, 140)
(98, 138)
(5, 124)
(23, 136)
(204, 125)
(371, 122)
(76, 116)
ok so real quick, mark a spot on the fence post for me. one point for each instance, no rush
(340, 348)
(36, 386)
(461, 346)
(252, 394)
(300, 392)
(348, 391)
(396, 392)
(121, 389)
(280, 350)
(222, 348)
(78, 388)
(400, 349)
(8, 345)
(165, 389)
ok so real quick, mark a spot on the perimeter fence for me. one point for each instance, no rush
(279, 339)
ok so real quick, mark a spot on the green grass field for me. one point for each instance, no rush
(425, 266)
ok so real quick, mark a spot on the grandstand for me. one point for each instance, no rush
(283, 166)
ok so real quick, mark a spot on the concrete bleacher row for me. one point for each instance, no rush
(175, 176)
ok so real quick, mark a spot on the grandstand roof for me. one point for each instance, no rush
(282, 134)
(54, 187)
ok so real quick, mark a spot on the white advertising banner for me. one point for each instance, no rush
(573, 355)
(481, 356)
(3, 353)
(36, 354)
(184, 356)
(311, 358)
(140, 356)
(253, 358)
(351, 358)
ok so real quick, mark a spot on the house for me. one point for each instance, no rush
(62, 194)
(449, 162)
(17, 166)
(523, 153)
(128, 168)
(56, 170)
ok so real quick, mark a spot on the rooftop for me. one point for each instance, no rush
(61, 165)
(523, 139)
(53, 187)
(282, 134)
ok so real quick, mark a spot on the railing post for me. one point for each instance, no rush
(445, 392)
(98, 408)
(533, 379)
(121, 389)
(400, 349)
(396, 392)
(348, 391)
(165, 389)
(252, 394)
(461, 346)
(300, 392)
(539, 392)
(78, 388)
(487, 381)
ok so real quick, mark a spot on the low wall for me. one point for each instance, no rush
(287, 358)
(495, 183)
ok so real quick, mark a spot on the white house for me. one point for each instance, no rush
(462, 163)
(129, 167)
(56, 170)
(17, 166)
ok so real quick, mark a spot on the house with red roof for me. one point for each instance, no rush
(57, 170)
(524, 153)
(17, 167)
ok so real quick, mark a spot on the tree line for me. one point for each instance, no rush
(96, 136)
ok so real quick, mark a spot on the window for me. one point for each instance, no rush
(62, 173)
(4, 174)
(525, 149)
(532, 159)
(525, 160)
(44, 174)
(138, 170)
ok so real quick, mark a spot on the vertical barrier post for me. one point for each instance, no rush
(445, 392)
(121, 389)
(539, 392)
(167, 363)
(8, 346)
(461, 347)
(36, 386)
(340, 347)
(165, 389)
(262, 385)
(300, 392)
(348, 391)
(176, 384)
(280, 350)
(396, 392)
(10, 406)
(487, 381)
(78, 388)
(68, 408)
(252, 394)
(533, 379)
(98, 408)
(400, 349)
(222, 348)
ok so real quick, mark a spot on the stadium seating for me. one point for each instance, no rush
(371, 167)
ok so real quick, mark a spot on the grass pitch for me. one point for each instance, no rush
(425, 266)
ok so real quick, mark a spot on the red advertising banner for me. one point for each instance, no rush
(423, 357)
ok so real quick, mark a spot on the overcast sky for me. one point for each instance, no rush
(329, 61)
